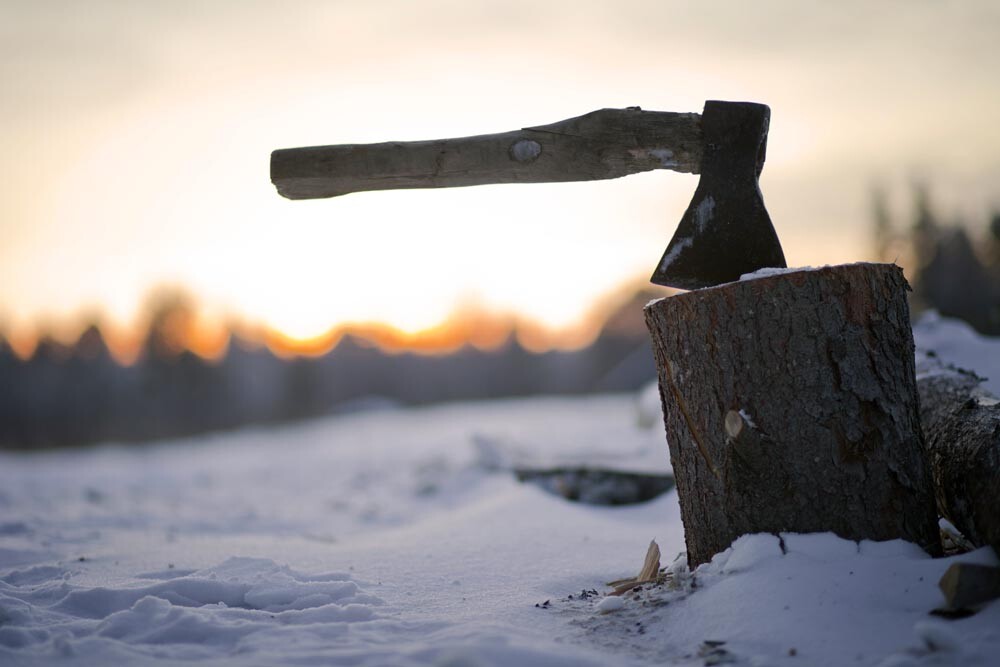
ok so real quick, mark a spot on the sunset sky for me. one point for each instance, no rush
(136, 139)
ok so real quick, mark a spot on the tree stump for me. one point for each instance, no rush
(961, 425)
(790, 405)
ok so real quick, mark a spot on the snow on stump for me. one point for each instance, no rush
(790, 405)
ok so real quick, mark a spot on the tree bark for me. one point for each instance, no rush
(790, 405)
(961, 424)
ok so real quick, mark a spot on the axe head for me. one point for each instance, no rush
(726, 231)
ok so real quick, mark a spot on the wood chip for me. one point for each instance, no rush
(968, 585)
(650, 572)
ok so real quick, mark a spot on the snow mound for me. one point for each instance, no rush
(813, 599)
(225, 607)
(610, 604)
(957, 343)
(649, 411)
(408, 541)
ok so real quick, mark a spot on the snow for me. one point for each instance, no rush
(956, 343)
(655, 301)
(609, 604)
(704, 212)
(665, 156)
(773, 271)
(776, 271)
(648, 410)
(675, 251)
(402, 538)
(824, 601)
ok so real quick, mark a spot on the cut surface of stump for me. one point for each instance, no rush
(790, 405)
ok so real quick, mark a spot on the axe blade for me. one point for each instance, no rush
(726, 231)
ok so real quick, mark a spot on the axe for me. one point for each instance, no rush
(724, 233)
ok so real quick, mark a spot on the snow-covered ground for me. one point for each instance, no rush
(401, 537)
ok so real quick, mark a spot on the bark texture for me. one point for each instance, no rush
(790, 405)
(607, 143)
(961, 424)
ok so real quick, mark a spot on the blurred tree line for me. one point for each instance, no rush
(953, 267)
(66, 395)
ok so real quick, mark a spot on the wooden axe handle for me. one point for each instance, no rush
(608, 143)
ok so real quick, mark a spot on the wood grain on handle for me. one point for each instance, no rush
(608, 143)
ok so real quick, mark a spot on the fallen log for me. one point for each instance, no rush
(961, 424)
(597, 486)
(790, 405)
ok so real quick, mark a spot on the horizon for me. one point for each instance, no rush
(140, 135)
(192, 329)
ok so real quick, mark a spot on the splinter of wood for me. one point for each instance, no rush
(649, 574)
(968, 585)
(692, 429)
